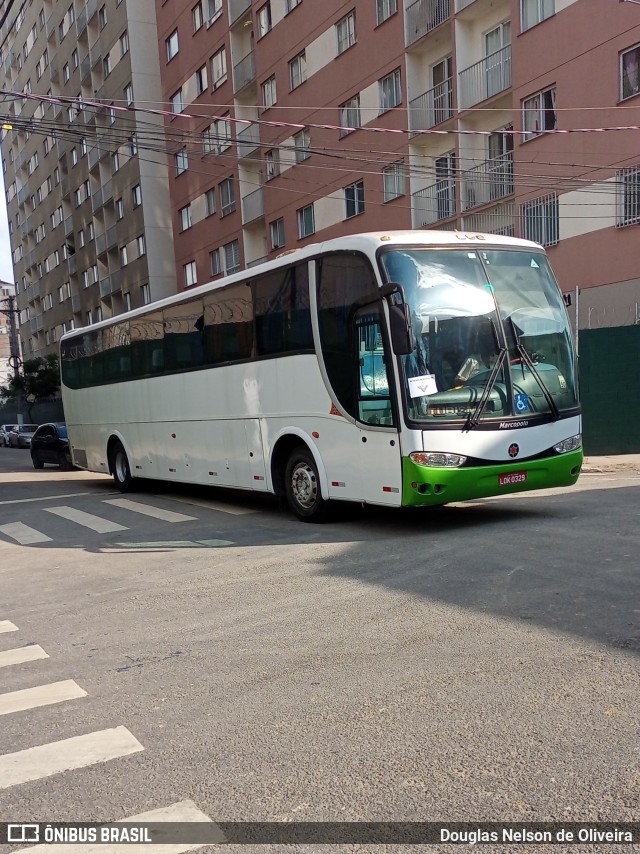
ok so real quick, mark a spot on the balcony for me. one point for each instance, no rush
(434, 203)
(54, 71)
(248, 140)
(500, 219)
(92, 8)
(33, 292)
(81, 23)
(487, 182)
(237, 8)
(253, 206)
(68, 226)
(462, 4)
(73, 263)
(85, 68)
(76, 303)
(433, 107)
(424, 16)
(93, 157)
(244, 72)
(485, 79)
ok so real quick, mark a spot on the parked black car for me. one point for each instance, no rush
(50, 444)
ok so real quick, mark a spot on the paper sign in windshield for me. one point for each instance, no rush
(420, 386)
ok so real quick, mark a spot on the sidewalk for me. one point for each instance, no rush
(619, 464)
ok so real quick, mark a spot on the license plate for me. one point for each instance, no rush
(512, 477)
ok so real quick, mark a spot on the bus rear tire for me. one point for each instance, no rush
(120, 469)
(302, 487)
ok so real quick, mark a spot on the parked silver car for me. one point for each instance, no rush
(21, 435)
(5, 429)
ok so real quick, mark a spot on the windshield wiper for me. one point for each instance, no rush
(526, 358)
(474, 417)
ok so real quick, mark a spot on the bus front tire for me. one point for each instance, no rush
(121, 470)
(302, 487)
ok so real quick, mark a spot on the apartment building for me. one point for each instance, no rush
(303, 120)
(89, 217)
(7, 298)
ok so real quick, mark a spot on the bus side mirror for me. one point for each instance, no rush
(399, 319)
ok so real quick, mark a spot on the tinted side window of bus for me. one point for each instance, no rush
(147, 345)
(183, 335)
(283, 319)
(228, 325)
(342, 280)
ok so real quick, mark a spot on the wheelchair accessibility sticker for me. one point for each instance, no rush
(521, 402)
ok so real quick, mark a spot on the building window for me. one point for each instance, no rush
(539, 113)
(102, 17)
(385, 9)
(106, 65)
(390, 91)
(141, 245)
(354, 199)
(291, 4)
(214, 259)
(272, 163)
(277, 233)
(177, 102)
(298, 70)
(306, 224)
(128, 94)
(124, 260)
(540, 220)
(198, 17)
(66, 73)
(534, 11)
(219, 68)
(264, 20)
(201, 80)
(127, 301)
(146, 294)
(133, 146)
(172, 45)
(214, 10)
(119, 209)
(115, 161)
(74, 156)
(269, 92)
(182, 161)
(217, 137)
(136, 195)
(628, 196)
(190, 274)
(350, 115)
(210, 202)
(630, 73)
(185, 217)
(301, 142)
(124, 44)
(231, 257)
(393, 181)
(346, 32)
(227, 197)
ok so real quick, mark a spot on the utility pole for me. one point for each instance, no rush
(14, 348)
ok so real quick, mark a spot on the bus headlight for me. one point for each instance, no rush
(570, 444)
(437, 458)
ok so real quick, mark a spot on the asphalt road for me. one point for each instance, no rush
(479, 662)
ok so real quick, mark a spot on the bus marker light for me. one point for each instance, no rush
(213, 474)
(512, 477)
(173, 470)
(315, 435)
(337, 483)
(173, 435)
(390, 489)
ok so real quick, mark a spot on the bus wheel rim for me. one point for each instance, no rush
(304, 485)
(121, 466)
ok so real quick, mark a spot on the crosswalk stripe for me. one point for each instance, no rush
(33, 652)
(42, 695)
(183, 812)
(223, 507)
(46, 760)
(87, 520)
(23, 534)
(148, 510)
(7, 626)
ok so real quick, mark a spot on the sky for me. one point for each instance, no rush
(6, 267)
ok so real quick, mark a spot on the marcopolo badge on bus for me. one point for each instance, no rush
(420, 386)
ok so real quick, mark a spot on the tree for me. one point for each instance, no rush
(39, 380)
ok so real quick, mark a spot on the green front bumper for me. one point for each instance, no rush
(426, 485)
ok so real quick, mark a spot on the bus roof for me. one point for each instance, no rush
(366, 242)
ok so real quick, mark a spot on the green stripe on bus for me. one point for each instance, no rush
(429, 485)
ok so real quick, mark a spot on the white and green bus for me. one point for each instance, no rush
(410, 368)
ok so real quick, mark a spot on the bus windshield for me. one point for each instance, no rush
(491, 337)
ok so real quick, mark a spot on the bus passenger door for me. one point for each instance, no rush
(379, 448)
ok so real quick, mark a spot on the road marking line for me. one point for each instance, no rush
(233, 509)
(33, 652)
(184, 812)
(48, 497)
(149, 510)
(42, 695)
(87, 520)
(7, 626)
(23, 534)
(176, 544)
(66, 755)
